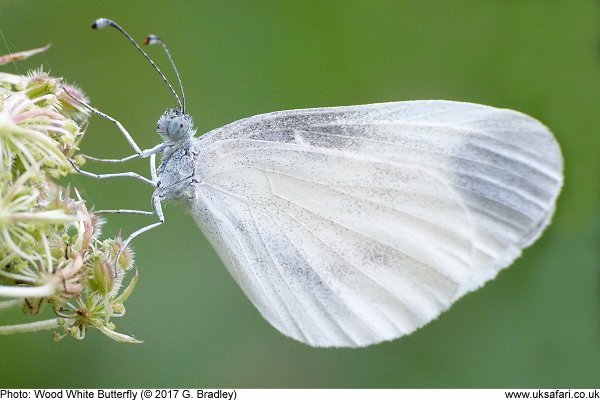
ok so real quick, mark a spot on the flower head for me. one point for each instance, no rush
(51, 253)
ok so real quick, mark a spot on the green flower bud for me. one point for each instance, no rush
(102, 277)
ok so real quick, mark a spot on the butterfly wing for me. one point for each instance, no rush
(348, 226)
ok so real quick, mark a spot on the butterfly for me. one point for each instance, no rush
(349, 226)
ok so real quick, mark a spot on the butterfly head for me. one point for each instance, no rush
(174, 125)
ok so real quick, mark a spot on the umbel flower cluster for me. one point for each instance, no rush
(53, 261)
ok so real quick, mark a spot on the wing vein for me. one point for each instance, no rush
(279, 270)
(363, 273)
(430, 223)
(322, 306)
(241, 245)
(386, 245)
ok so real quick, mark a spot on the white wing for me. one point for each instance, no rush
(348, 226)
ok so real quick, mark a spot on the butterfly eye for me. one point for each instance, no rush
(177, 128)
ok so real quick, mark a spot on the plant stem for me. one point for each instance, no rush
(5, 305)
(29, 327)
(27, 291)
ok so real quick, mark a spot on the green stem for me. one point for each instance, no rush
(17, 277)
(27, 291)
(29, 327)
(5, 305)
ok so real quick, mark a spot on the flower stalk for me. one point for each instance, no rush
(30, 327)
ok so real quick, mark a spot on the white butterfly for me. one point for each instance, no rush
(349, 226)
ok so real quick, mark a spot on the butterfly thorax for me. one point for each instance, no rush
(176, 169)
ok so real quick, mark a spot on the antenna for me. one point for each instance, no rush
(104, 22)
(153, 39)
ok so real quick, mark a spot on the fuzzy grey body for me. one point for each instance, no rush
(176, 171)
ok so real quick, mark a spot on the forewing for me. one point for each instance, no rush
(348, 226)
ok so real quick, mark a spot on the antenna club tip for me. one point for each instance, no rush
(152, 39)
(101, 23)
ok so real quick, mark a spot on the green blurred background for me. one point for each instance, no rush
(537, 324)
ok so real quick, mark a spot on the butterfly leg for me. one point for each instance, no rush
(115, 175)
(145, 153)
(128, 137)
(157, 211)
(124, 211)
(138, 151)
